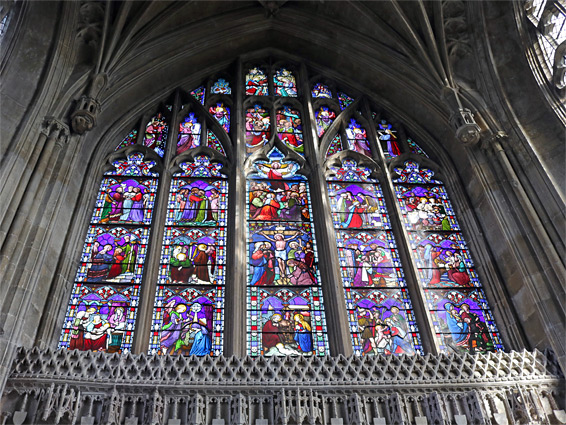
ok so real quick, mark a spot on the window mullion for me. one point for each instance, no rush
(236, 279)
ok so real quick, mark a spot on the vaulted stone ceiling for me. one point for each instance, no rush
(402, 52)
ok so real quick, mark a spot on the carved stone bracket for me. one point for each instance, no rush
(54, 129)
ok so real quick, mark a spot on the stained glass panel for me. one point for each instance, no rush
(214, 143)
(221, 113)
(103, 305)
(290, 128)
(388, 140)
(457, 305)
(256, 82)
(357, 138)
(129, 140)
(415, 148)
(324, 118)
(285, 83)
(188, 315)
(285, 308)
(199, 94)
(189, 133)
(380, 313)
(156, 134)
(221, 87)
(344, 100)
(321, 90)
(335, 146)
(257, 128)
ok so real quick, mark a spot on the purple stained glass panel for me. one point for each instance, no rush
(189, 134)
(324, 118)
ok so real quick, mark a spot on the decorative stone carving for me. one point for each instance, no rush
(84, 117)
(467, 130)
(91, 22)
(85, 387)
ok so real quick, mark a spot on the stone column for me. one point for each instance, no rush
(27, 245)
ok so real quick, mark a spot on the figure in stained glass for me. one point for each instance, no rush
(256, 82)
(257, 128)
(221, 87)
(387, 135)
(324, 118)
(289, 128)
(356, 206)
(285, 84)
(426, 208)
(156, 134)
(197, 203)
(281, 255)
(357, 138)
(189, 134)
(278, 200)
(186, 329)
(221, 113)
(321, 90)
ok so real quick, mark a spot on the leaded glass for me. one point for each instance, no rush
(284, 83)
(388, 140)
(456, 303)
(290, 128)
(415, 148)
(221, 87)
(335, 145)
(156, 134)
(357, 138)
(256, 82)
(285, 308)
(344, 100)
(324, 118)
(257, 128)
(129, 140)
(199, 94)
(189, 133)
(214, 143)
(380, 313)
(221, 113)
(189, 301)
(104, 300)
(321, 90)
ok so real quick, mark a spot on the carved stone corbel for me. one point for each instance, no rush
(83, 119)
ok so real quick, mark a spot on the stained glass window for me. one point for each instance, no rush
(156, 134)
(321, 90)
(214, 143)
(388, 139)
(189, 300)
(324, 118)
(199, 94)
(129, 140)
(357, 138)
(380, 312)
(221, 87)
(284, 82)
(455, 299)
(189, 133)
(221, 113)
(335, 146)
(285, 305)
(415, 148)
(105, 297)
(257, 128)
(344, 100)
(290, 128)
(256, 82)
